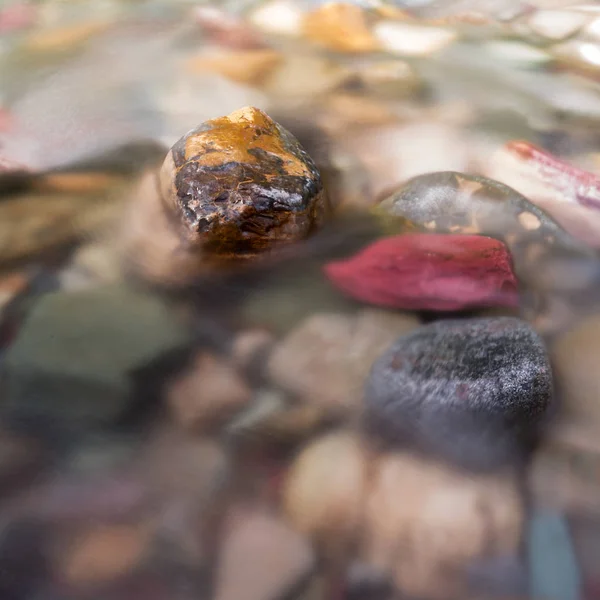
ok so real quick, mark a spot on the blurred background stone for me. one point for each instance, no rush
(324, 492)
(326, 359)
(262, 558)
(73, 363)
(426, 541)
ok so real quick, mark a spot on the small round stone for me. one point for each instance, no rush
(471, 391)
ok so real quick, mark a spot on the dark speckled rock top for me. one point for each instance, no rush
(472, 391)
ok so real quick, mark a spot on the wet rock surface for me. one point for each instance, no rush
(445, 521)
(213, 438)
(233, 188)
(573, 356)
(471, 391)
(242, 183)
(451, 202)
(326, 359)
(75, 360)
(262, 557)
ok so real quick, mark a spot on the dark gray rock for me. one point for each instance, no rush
(79, 356)
(471, 391)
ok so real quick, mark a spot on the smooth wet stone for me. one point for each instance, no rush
(554, 572)
(426, 523)
(74, 361)
(341, 27)
(325, 360)
(280, 305)
(556, 269)
(103, 552)
(247, 66)
(32, 225)
(563, 474)
(574, 356)
(208, 392)
(261, 557)
(324, 491)
(20, 459)
(429, 272)
(24, 554)
(470, 391)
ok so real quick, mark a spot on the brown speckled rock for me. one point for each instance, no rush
(241, 184)
(231, 189)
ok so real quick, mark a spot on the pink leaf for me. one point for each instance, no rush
(570, 181)
(429, 272)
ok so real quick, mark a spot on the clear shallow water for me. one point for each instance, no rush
(149, 433)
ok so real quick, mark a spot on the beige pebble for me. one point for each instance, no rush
(250, 345)
(12, 284)
(343, 110)
(76, 183)
(394, 153)
(392, 78)
(557, 24)
(324, 491)
(563, 474)
(300, 78)
(261, 558)
(529, 221)
(282, 17)
(245, 66)
(326, 359)
(103, 553)
(425, 522)
(408, 39)
(63, 38)
(207, 393)
(575, 356)
(340, 26)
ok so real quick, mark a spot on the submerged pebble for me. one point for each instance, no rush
(425, 524)
(469, 391)
(231, 189)
(574, 357)
(325, 360)
(324, 491)
(75, 358)
(554, 573)
(261, 557)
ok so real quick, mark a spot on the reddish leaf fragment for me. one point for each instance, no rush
(429, 272)
(570, 181)
(226, 30)
(17, 16)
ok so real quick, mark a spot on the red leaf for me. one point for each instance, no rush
(429, 272)
(566, 179)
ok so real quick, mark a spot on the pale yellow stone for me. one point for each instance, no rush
(340, 26)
